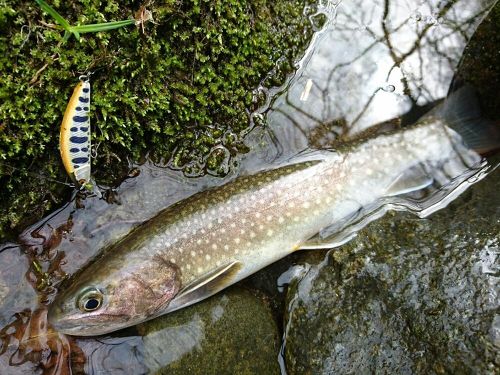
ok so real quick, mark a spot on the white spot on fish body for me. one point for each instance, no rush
(237, 240)
(270, 232)
(207, 257)
(193, 254)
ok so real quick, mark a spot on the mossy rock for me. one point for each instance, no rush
(480, 63)
(233, 332)
(407, 296)
(178, 90)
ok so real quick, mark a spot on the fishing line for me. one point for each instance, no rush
(8, 247)
(38, 175)
(56, 212)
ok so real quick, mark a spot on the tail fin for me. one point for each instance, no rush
(462, 112)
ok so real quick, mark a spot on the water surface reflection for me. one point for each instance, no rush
(373, 62)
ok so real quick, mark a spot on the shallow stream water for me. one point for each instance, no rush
(370, 63)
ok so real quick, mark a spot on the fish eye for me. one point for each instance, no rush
(90, 300)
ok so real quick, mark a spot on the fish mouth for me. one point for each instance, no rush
(72, 328)
(89, 324)
(76, 325)
(59, 323)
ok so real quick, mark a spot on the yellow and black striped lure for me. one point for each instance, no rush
(74, 141)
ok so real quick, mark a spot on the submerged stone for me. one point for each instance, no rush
(231, 333)
(406, 296)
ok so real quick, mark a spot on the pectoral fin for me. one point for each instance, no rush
(205, 286)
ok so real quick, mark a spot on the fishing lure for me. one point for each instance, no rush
(75, 134)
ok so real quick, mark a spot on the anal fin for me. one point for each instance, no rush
(319, 243)
(205, 286)
(413, 179)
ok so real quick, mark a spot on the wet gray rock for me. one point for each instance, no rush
(406, 296)
(233, 332)
(16, 293)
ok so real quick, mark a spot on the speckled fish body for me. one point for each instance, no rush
(74, 141)
(211, 240)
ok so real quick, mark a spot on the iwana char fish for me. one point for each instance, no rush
(203, 244)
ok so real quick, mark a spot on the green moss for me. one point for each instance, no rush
(175, 90)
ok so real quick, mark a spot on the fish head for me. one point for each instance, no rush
(101, 300)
